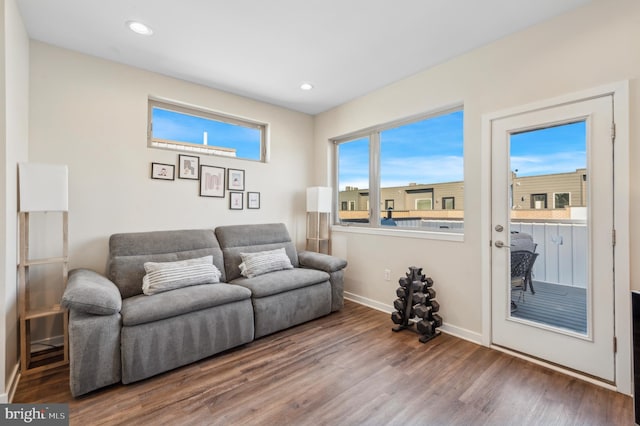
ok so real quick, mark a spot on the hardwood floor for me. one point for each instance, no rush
(348, 368)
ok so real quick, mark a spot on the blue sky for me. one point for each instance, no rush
(187, 128)
(428, 151)
(559, 149)
(431, 151)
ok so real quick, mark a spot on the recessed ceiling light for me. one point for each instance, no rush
(306, 86)
(139, 28)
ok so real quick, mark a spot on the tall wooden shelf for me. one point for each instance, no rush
(318, 237)
(44, 360)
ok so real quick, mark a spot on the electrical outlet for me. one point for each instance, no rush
(387, 274)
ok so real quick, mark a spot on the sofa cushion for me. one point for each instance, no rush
(128, 253)
(262, 262)
(282, 281)
(142, 309)
(236, 239)
(165, 276)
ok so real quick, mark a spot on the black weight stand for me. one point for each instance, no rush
(417, 298)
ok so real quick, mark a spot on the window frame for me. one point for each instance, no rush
(453, 203)
(207, 114)
(375, 216)
(533, 200)
(558, 193)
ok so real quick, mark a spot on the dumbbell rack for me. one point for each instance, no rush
(416, 297)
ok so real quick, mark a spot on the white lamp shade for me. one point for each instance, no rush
(319, 199)
(43, 187)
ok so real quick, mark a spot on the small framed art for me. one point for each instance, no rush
(253, 200)
(235, 180)
(188, 167)
(235, 200)
(211, 181)
(163, 171)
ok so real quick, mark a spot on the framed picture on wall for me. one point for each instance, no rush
(235, 200)
(163, 171)
(211, 181)
(253, 200)
(235, 180)
(188, 167)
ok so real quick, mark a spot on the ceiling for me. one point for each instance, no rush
(265, 49)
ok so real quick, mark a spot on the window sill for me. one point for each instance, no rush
(399, 233)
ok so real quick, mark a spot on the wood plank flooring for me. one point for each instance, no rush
(348, 368)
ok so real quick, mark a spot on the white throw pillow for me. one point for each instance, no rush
(254, 264)
(167, 276)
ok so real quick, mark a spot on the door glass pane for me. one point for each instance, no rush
(353, 181)
(549, 235)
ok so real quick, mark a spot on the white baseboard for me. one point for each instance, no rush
(453, 330)
(7, 397)
(369, 302)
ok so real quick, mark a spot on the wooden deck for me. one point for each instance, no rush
(556, 305)
(348, 368)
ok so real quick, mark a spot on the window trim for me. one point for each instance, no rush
(554, 199)
(417, 200)
(453, 203)
(196, 111)
(533, 201)
(374, 190)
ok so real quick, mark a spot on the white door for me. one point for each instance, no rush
(558, 150)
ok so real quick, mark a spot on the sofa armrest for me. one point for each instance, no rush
(91, 293)
(332, 265)
(321, 261)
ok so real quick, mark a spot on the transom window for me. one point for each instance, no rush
(199, 131)
(399, 170)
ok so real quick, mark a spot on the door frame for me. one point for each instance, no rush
(622, 294)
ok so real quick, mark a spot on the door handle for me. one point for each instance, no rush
(500, 244)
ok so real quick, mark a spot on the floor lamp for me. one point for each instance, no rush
(318, 219)
(42, 188)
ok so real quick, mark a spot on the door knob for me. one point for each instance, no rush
(500, 244)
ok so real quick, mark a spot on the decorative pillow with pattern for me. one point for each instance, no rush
(165, 276)
(259, 263)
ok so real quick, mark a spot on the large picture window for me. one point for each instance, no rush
(203, 132)
(407, 169)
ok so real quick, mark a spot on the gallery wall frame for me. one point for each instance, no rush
(163, 171)
(235, 180)
(188, 167)
(212, 181)
(253, 200)
(235, 200)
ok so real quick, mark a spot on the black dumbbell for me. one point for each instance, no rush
(434, 305)
(428, 282)
(397, 317)
(399, 304)
(402, 292)
(423, 311)
(437, 319)
(404, 282)
(426, 327)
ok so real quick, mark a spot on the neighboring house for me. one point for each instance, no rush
(558, 191)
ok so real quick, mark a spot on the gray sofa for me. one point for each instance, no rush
(118, 334)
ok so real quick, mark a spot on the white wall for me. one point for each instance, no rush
(589, 47)
(91, 114)
(14, 109)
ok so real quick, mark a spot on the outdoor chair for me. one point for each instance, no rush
(521, 265)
